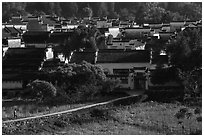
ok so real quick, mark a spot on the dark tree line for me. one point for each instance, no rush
(138, 11)
(186, 56)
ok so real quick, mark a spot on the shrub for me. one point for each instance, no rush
(197, 111)
(82, 93)
(42, 90)
(79, 82)
(192, 81)
(109, 85)
(199, 119)
(60, 123)
(163, 75)
(76, 82)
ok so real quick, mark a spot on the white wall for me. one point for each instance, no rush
(49, 53)
(50, 27)
(61, 57)
(23, 27)
(5, 50)
(12, 84)
(114, 31)
(72, 26)
(111, 66)
(13, 43)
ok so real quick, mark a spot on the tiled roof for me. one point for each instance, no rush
(135, 33)
(48, 20)
(59, 37)
(155, 26)
(34, 25)
(78, 57)
(23, 59)
(11, 30)
(16, 21)
(161, 59)
(136, 43)
(165, 35)
(121, 56)
(35, 37)
(5, 34)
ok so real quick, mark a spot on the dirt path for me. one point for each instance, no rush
(71, 110)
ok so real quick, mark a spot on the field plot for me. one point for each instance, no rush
(31, 108)
(117, 118)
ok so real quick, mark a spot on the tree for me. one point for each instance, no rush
(124, 13)
(186, 56)
(88, 11)
(42, 90)
(154, 13)
(192, 81)
(186, 49)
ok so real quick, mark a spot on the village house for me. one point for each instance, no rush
(126, 58)
(36, 39)
(11, 37)
(80, 56)
(176, 26)
(165, 27)
(114, 31)
(48, 22)
(135, 33)
(16, 22)
(103, 24)
(128, 66)
(124, 24)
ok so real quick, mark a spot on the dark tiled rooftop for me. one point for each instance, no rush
(23, 59)
(78, 57)
(121, 56)
(35, 37)
(34, 25)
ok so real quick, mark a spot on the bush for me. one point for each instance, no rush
(42, 90)
(192, 81)
(109, 85)
(82, 93)
(79, 82)
(163, 75)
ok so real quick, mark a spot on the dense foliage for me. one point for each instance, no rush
(79, 82)
(42, 90)
(186, 56)
(163, 75)
(138, 11)
(186, 49)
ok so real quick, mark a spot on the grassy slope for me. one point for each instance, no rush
(27, 109)
(139, 118)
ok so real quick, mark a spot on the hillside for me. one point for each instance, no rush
(138, 11)
(145, 118)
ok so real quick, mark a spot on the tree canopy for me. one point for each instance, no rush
(138, 11)
(186, 50)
